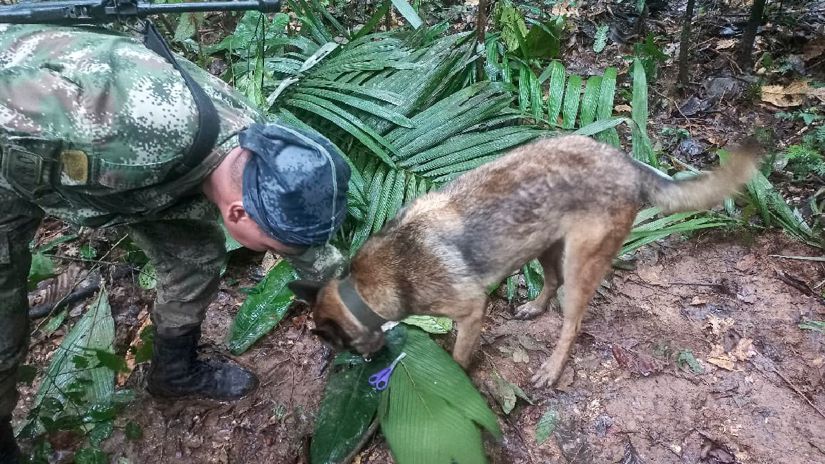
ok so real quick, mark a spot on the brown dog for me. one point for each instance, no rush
(568, 201)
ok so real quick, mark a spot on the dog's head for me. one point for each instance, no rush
(334, 323)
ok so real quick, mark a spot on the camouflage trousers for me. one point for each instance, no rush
(187, 254)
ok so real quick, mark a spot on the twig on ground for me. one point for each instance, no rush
(364, 439)
(820, 259)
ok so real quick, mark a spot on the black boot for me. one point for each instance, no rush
(176, 370)
(9, 452)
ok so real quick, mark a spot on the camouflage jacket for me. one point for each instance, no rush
(93, 122)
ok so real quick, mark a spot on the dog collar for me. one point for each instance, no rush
(357, 306)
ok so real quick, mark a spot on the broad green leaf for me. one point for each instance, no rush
(100, 432)
(112, 361)
(524, 89)
(543, 39)
(348, 408)
(186, 28)
(536, 103)
(52, 244)
(556, 93)
(350, 402)
(590, 100)
(94, 331)
(642, 148)
(571, 102)
(546, 425)
(431, 324)
(600, 126)
(408, 13)
(361, 104)
(605, 108)
(42, 268)
(512, 286)
(55, 322)
(432, 410)
(263, 308)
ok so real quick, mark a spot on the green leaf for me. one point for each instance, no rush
(408, 13)
(101, 432)
(90, 456)
(94, 331)
(230, 243)
(601, 38)
(590, 100)
(686, 358)
(55, 322)
(52, 244)
(112, 361)
(87, 251)
(347, 410)
(605, 108)
(431, 324)
(133, 431)
(147, 278)
(144, 351)
(642, 148)
(600, 126)
(556, 93)
(432, 411)
(546, 425)
(42, 268)
(264, 307)
(507, 393)
(571, 102)
(186, 27)
(534, 277)
(818, 326)
(543, 39)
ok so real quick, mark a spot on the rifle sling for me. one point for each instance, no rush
(208, 123)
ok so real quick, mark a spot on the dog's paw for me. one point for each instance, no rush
(547, 375)
(529, 310)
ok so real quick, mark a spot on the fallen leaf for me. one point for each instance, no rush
(793, 94)
(719, 358)
(718, 325)
(636, 363)
(744, 349)
(520, 355)
(530, 343)
(507, 393)
(724, 44)
(698, 301)
(814, 49)
(144, 320)
(546, 425)
(622, 109)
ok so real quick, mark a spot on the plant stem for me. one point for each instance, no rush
(481, 26)
(683, 45)
(749, 35)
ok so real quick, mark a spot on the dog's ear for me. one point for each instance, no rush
(305, 290)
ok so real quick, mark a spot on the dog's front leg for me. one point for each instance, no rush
(469, 331)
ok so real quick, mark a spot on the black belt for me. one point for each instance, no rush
(208, 123)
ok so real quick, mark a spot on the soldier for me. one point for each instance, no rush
(98, 130)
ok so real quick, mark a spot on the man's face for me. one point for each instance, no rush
(249, 234)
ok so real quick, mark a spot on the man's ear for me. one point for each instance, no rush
(235, 211)
(305, 290)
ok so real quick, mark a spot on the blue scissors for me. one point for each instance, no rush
(381, 380)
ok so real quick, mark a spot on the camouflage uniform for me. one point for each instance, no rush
(91, 125)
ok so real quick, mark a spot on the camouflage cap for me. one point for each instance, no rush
(295, 184)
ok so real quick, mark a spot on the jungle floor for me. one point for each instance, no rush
(696, 354)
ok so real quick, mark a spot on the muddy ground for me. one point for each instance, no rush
(752, 396)
(696, 355)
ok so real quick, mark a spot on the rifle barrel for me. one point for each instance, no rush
(265, 6)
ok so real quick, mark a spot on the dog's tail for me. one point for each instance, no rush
(705, 190)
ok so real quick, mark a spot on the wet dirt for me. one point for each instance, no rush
(717, 296)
